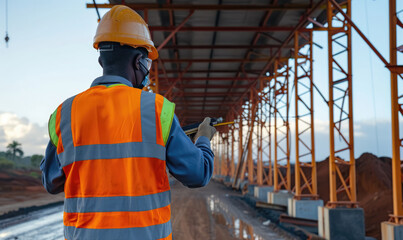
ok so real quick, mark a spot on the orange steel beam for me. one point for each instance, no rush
(153, 86)
(232, 151)
(172, 34)
(154, 83)
(252, 71)
(281, 129)
(205, 7)
(216, 60)
(224, 46)
(240, 143)
(259, 165)
(397, 140)
(304, 127)
(340, 93)
(299, 27)
(257, 36)
(252, 105)
(240, 148)
(225, 29)
(270, 99)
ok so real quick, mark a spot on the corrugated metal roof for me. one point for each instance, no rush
(207, 88)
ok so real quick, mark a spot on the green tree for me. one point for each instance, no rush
(36, 160)
(14, 148)
(5, 163)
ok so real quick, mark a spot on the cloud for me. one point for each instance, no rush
(32, 136)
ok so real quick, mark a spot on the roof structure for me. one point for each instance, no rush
(217, 50)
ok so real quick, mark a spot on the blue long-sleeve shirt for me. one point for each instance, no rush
(191, 164)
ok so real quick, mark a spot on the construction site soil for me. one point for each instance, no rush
(374, 189)
(193, 211)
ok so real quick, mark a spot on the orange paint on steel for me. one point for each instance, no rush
(251, 124)
(172, 34)
(276, 187)
(344, 31)
(232, 152)
(297, 163)
(304, 61)
(396, 140)
(207, 7)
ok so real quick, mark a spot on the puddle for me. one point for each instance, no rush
(231, 219)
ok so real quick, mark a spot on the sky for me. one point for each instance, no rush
(50, 58)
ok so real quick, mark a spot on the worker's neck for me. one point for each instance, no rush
(121, 73)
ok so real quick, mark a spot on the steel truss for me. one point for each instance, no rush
(282, 171)
(396, 75)
(305, 164)
(266, 112)
(340, 107)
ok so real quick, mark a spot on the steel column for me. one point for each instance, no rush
(397, 141)
(282, 172)
(251, 123)
(304, 120)
(340, 93)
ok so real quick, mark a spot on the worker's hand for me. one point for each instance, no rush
(205, 129)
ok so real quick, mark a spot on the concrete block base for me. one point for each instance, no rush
(341, 223)
(391, 231)
(261, 192)
(307, 209)
(279, 198)
(242, 184)
(251, 189)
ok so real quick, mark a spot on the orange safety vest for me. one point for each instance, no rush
(111, 144)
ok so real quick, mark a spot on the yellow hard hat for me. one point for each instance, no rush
(123, 25)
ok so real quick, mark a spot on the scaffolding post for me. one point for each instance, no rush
(340, 106)
(252, 103)
(397, 141)
(304, 126)
(282, 172)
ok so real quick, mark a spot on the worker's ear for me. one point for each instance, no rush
(100, 62)
(136, 63)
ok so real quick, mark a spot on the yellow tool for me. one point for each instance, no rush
(194, 130)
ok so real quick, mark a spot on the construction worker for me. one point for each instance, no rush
(110, 145)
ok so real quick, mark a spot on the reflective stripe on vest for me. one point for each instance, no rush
(111, 144)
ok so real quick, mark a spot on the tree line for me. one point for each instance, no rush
(15, 152)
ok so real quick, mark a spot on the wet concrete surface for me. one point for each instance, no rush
(238, 223)
(46, 224)
(213, 212)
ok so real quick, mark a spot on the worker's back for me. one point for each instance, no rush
(111, 144)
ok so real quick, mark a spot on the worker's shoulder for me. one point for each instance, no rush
(151, 94)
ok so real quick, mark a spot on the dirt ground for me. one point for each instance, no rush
(19, 190)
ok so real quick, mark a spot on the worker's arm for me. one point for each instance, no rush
(53, 177)
(192, 164)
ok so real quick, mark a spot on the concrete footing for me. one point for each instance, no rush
(279, 198)
(261, 192)
(391, 231)
(251, 189)
(227, 179)
(307, 209)
(242, 184)
(341, 223)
